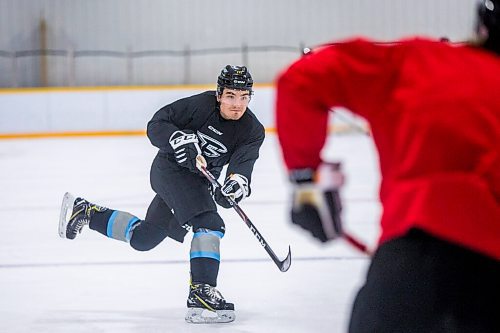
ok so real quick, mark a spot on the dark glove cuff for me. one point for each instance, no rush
(220, 199)
(299, 176)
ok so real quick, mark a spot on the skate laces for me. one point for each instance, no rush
(93, 208)
(87, 208)
(212, 292)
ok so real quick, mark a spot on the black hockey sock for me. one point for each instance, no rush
(205, 256)
(115, 224)
(99, 221)
(204, 270)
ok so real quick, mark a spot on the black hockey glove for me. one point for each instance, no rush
(316, 203)
(186, 148)
(235, 187)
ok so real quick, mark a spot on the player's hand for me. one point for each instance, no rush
(316, 202)
(235, 187)
(186, 148)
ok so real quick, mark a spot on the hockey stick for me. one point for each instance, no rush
(352, 123)
(356, 243)
(283, 265)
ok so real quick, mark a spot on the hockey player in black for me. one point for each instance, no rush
(218, 126)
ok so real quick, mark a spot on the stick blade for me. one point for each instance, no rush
(285, 264)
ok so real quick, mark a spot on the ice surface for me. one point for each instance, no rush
(94, 284)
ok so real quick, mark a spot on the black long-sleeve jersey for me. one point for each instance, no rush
(232, 142)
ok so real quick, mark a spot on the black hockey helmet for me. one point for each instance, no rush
(234, 77)
(488, 23)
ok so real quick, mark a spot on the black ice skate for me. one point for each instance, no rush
(206, 305)
(75, 214)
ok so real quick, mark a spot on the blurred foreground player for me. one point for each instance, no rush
(218, 126)
(434, 111)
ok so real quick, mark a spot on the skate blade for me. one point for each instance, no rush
(204, 316)
(66, 211)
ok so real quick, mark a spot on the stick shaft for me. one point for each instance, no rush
(282, 265)
(356, 243)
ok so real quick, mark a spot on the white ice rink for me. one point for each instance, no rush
(95, 284)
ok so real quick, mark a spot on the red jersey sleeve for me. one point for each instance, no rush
(336, 75)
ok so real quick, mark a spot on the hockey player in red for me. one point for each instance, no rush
(434, 112)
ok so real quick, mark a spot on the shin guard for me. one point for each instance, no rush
(205, 256)
(120, 225)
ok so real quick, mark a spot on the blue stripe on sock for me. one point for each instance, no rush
(129, 226)
(203, 254)
(111, 221)
(201, 233)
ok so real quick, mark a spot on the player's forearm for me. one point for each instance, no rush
(301, 121)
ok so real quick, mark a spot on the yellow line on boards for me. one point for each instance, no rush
(39, 135)
(4, 91)
(42, 135)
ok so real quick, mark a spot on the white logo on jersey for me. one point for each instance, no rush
(211, 147)
(213, 129)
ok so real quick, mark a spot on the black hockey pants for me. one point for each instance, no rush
(419, 283)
